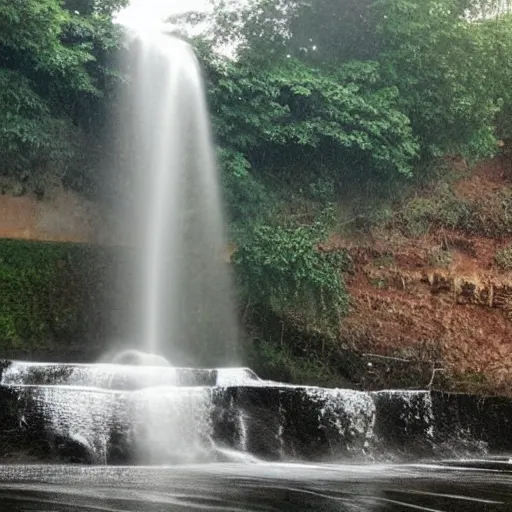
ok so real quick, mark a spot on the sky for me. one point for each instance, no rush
(143, 11)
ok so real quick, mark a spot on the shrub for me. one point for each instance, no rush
(491, 214)
(380, 283)
(503, 258)
(282, 269)
(274, 361)
(442, 209)
(417, 216)
(385, 260)
(439, 257)
(278, 349)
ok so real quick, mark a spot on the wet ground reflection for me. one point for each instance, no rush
(451, 486)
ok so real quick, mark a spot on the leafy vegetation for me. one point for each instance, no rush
(280, 363)
(503, 258)
(283, 268)
(52, 293)
(431, 53)
(439, 257)
(55, 81)
(489, 214)
(441, 209)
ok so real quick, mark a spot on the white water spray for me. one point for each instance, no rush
(183, 293)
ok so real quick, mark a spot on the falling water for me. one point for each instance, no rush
(183, 292)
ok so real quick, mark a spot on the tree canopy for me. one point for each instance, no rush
(55, 76)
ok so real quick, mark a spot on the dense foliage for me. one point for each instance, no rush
(54, 295)
(54, 81)
(443, 67)
(280, 268)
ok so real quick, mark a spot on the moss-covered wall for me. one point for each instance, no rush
(58, 299)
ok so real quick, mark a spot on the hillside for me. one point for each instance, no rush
(443, 298)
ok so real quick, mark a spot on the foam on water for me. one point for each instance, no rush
(352, 413)
(157, 425)
(162, 424)
(81, 415)
(173, 424)
(236, 377)
(116, 413)
(415, 407)
(123, 377)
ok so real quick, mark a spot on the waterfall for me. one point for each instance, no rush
(183, 295)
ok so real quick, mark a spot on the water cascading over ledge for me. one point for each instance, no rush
(98, 414)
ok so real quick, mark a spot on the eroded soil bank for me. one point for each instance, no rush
(442, 298)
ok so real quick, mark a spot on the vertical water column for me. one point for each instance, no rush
(183, 302)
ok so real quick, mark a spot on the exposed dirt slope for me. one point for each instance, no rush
(410, 304)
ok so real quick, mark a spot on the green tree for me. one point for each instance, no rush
(55, 70)
(496, 34)
(291, 112)
(323, 31)
(442, 65)
(427, 49)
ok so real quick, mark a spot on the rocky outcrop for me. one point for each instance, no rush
(268, 422)
(446, 319)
